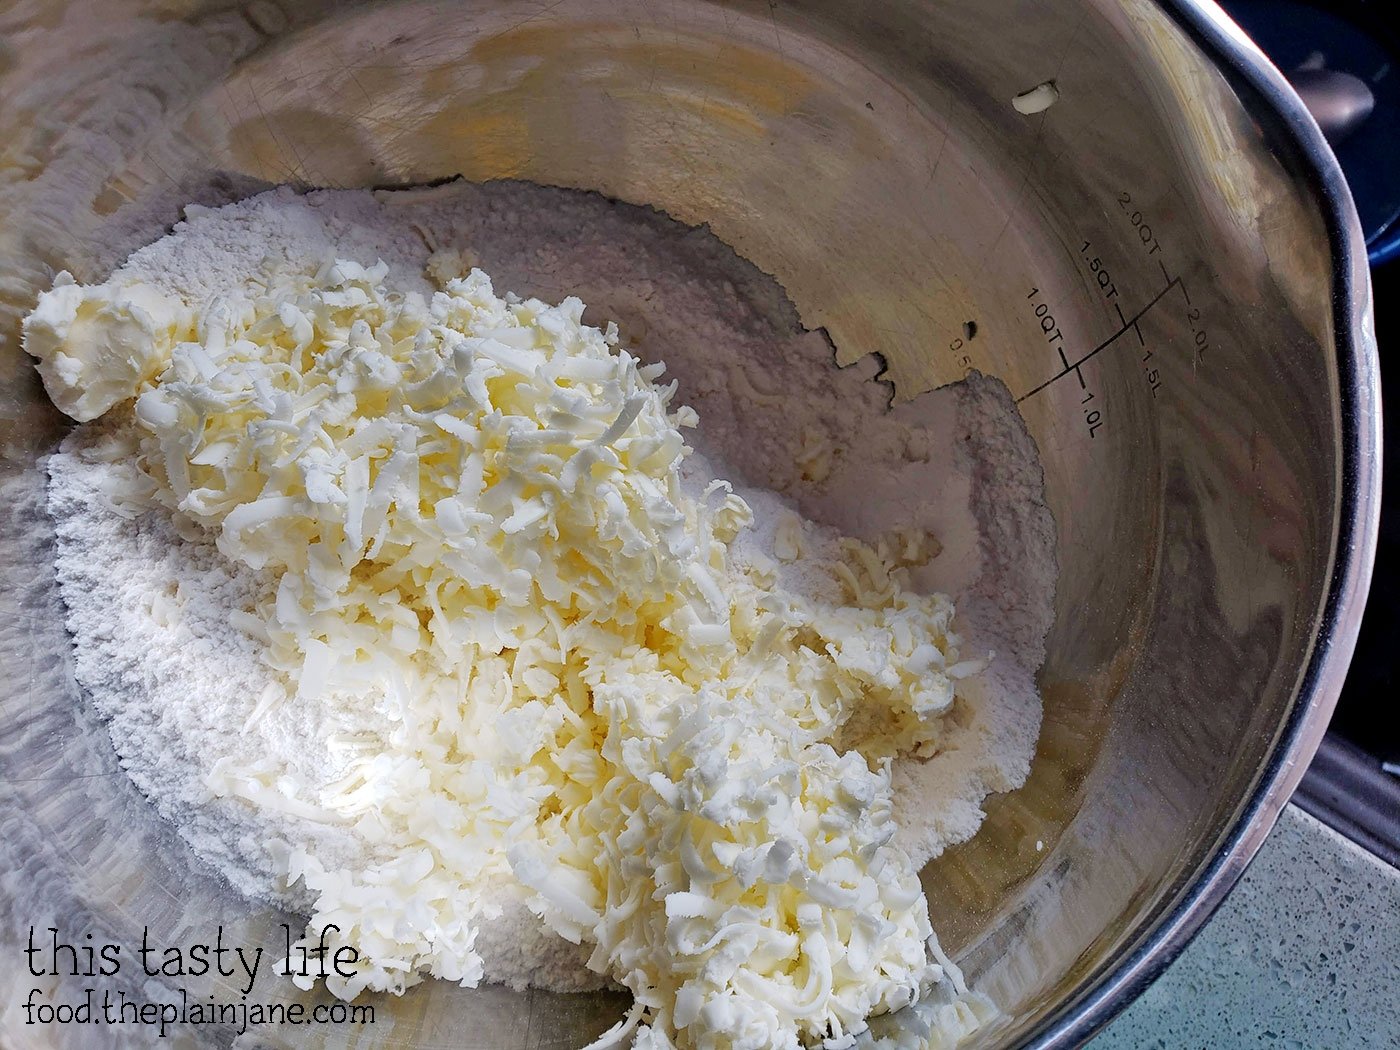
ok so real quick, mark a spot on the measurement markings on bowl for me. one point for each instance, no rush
(1101, 276)
(1093, 412)
(1200, 340)
(959, 350)
(1104, 279)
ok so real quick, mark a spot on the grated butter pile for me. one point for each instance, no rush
(476, 510)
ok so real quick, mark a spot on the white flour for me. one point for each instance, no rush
(149, 610)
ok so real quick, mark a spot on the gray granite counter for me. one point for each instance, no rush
(1304, 953)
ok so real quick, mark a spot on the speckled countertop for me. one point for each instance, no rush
(1304, 953)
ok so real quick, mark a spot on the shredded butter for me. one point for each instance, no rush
(474, 505)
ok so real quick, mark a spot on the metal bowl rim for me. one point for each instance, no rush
(1117, 985)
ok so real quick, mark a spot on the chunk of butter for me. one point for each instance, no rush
(97, 345)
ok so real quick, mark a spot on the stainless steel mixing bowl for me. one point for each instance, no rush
(1164, 266)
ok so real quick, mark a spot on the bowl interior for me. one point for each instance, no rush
(870, 157)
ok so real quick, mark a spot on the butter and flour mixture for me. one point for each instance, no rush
(530, 648)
